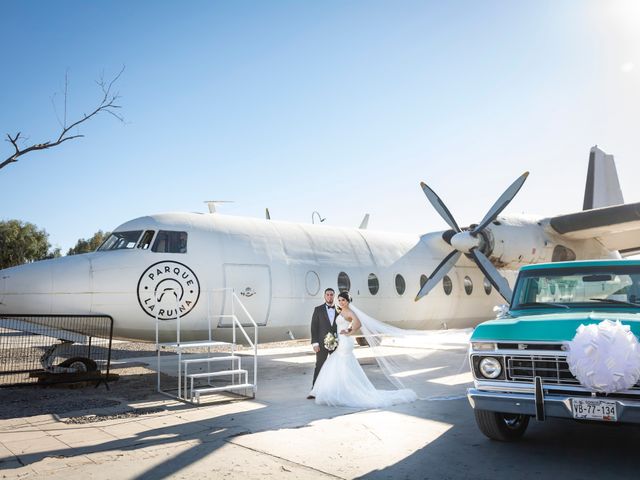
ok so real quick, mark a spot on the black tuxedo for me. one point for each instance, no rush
(320, 326)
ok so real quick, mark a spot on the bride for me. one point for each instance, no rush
(342, 381)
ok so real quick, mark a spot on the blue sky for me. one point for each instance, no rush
(337, 106)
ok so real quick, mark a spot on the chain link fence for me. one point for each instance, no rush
(54, 348)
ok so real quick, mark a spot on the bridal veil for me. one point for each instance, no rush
(407, 357)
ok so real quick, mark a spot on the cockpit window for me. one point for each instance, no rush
(120, 241)
(145, 241)
(168, 241)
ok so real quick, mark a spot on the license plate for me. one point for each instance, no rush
(592, 409)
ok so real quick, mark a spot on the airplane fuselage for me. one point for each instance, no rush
(278, 270)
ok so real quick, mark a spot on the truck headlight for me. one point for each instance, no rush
(490, 367)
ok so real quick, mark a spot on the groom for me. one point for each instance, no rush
(323, 321)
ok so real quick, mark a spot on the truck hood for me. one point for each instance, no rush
(556, 327)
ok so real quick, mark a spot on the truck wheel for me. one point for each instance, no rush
(504, 427)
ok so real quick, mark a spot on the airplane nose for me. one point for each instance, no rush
(44, 287)
(3, 283)
(26, 287)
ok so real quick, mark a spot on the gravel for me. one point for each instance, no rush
(136, 383)
(136, 412)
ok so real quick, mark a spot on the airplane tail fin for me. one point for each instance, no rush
(365, 222)
(603, 187)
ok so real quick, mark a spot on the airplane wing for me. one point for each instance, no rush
(42, 329)
(616, 227)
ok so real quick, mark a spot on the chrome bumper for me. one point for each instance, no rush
(555, 405)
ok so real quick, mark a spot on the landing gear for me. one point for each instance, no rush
(79, 365)
(71, 365)
(504, 427)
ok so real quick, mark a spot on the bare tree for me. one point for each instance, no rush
(108, 104)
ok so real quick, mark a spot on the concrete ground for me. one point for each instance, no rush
(281, 434)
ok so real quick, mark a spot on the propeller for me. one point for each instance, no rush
(470, 241)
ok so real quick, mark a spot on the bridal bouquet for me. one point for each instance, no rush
(331, 341)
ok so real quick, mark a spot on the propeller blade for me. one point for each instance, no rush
(440, 271)
(498, 281)
(501, 203)
(439, 205)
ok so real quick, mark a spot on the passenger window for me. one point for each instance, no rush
(344, 283)
(168, 241)
(447, 285)
(374, 284)
(400, 284)
(145, 242)
(312, 282)
(468, 285)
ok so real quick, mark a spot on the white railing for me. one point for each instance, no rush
(177, 305)
(185, 393)
(237, 324)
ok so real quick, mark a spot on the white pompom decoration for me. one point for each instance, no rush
(605, 357)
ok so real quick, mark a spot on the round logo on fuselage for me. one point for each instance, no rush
(168, 289)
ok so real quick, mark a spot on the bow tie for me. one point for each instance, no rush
(330, 306)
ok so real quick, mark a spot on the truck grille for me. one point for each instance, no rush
(552, 369)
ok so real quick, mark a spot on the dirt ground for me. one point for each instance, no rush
(135, 383)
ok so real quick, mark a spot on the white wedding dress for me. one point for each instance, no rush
(342, 381)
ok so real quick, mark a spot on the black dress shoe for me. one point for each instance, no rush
(310, 397)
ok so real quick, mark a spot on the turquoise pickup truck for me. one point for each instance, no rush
(566, 347)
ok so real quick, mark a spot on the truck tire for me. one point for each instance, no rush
(504, 427)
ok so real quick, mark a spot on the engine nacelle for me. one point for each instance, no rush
(513, 242)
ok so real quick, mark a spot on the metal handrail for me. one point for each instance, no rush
(254, 345)
(235, 323)
(244, 332)
(255, 325)
(177, 305)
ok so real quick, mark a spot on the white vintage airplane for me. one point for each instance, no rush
(160, 265)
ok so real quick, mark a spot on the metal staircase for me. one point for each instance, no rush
(196, 375)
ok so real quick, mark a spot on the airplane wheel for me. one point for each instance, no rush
(80, 364)
(504, 427)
